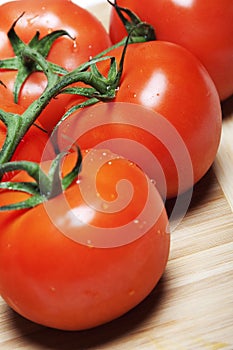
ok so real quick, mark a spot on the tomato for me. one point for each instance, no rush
(32, 144)
(166, 79)
(203, 27)
(84, 264)
(90, 37)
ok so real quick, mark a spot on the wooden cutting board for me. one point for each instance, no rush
(192, 306)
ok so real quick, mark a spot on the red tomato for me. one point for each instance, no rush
(168, 79)
(46, 16)
(203, 27)
(32, 144)
(64, 278)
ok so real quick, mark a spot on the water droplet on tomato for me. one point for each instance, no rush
(153, 181)
(131, 292)
(89, 243)
(32, 19)
(104, 206)
(75, 46)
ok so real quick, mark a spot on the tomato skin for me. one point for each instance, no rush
(203, 27)
(90, 38)
(67, 285)
(168, 79)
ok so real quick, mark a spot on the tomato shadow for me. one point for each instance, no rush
(197, 196)
(103, 336)
(227, 107)
(201, 191)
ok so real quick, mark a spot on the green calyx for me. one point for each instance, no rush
(25, 65)
(46, 185)
(132, 22)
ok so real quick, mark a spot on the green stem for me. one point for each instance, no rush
(49, 185)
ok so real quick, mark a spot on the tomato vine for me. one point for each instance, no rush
(31, 57)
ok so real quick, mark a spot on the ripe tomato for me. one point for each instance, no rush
(169, 80)
(32, 144)
(203, 27)
(84, 265)
(90, 38)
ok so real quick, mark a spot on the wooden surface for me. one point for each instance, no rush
(192, 306)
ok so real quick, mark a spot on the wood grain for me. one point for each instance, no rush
(192, 306)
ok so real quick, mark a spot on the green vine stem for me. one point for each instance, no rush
(32, 57)
(101, 88)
